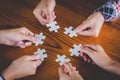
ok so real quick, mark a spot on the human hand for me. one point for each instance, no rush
(22, 67)
(97, 54)
(21, 37)
(44, 11)
(91, 26)
(68, 72)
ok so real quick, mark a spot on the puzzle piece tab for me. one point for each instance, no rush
(53, 26)
(70, 32)
(75, 50)
(42, 56)
(62, 59)
(41, 38)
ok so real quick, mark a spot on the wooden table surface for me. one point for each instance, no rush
(17, 13)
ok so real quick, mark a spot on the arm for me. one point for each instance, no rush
(22, 67)
(92, 26)
(21, 37)
(110, 10)
(100, 58)
(44, 11)
(114, 68)
(68, 72)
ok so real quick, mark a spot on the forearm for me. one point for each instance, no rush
(110, 10)
(7, 75)
(114, 68)
(1, 37)
(48, 0)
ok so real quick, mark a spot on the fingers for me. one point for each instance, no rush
(69, 68)
(32, 57)
(50, 15)
(41, 16)
(85, 30)
(28, 37)
(27, 34)
(86, 58)
(61, 72)
(87, 51)
(92, 46)
(26, 31)
(81, 27)
(45, 16)
(22, 44)
(37, 63)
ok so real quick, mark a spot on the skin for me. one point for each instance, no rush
(21, 37)
(100, 58)
(22, 67)
(91, 26)
(68, 72)
(44, 11)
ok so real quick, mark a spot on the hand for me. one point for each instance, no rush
(44, 12)
(21, 37)
(22, 67)
(69, 73)
(92, 26)
(99, 56)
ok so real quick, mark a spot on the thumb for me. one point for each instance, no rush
(61, 72)
(37, 63)
(86, 33)
(49, 15)
(28, 37)
(33, 57)
(88, 51)
(81, 27)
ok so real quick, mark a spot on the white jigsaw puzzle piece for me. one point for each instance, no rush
(62, 59)
(42, 54)
(41, 39)
(70, 32)
(53, 26)
(75, 50)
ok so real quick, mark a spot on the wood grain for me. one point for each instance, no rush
(17, 13)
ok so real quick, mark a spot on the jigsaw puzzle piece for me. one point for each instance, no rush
(75, 50)
(41, 38)
(70, 32)
(62, 59)
(42, 54)
(53, 26)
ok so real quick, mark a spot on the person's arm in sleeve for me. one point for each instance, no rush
(110, 10)
(93, 24)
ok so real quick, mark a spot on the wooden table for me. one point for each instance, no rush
(17, 13)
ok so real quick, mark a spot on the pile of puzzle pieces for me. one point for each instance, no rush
(61, 59)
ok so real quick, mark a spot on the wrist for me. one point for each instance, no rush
(113, 67)
(100, 15)
(1, 37)
(8, 76)
(2, 77)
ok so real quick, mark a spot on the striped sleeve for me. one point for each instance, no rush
(110, 10)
